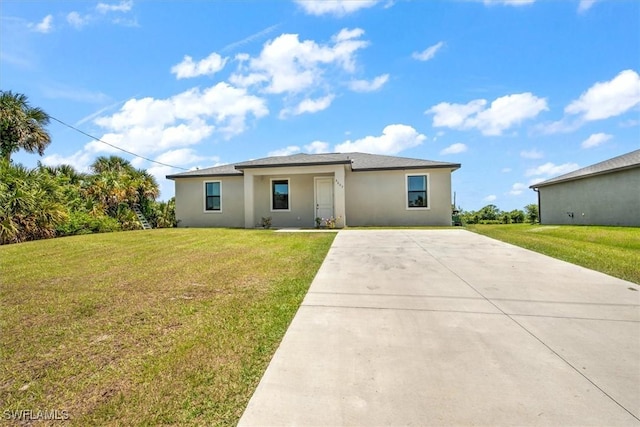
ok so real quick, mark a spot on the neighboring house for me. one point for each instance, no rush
(607, 193)
(356, 189)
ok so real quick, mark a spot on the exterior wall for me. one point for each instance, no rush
(301, 200)
(611, 199)
(380, 198)
(190, 203)
(360, 198)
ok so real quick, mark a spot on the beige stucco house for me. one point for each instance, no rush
(355, 189)
(606, 193)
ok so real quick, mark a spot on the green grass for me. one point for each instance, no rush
(153, 327)
(611, 250)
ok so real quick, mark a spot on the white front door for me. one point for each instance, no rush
(324, 197)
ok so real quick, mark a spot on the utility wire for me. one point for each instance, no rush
(114, 146)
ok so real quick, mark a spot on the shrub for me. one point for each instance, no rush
(86, 223)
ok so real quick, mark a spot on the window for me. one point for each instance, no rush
(280, 194)
(417, 191)
(212, 196)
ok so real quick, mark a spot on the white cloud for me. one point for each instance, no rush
(535, 181)
(183, 156)
(287, 151)
(76, 20)
(532, 154)
(585, 5)
(248, 79)
(104, 10)
(595, 140)
(549, 169)
(207, 66)
(630, 123)
(608, 99)
(308, 106)
(394, 138)
(503, 113)
(307, 73)
(334, 7)
(563, 125)
(132, 23)
(490, 198)
(44, 26)
(123, 6)
(80, 160)
(346, 34)
(505, 170)
(454, 149)
(454, 115)
(151, 125)
(287, 65)
(368, 86)
(428, 53)
(517, 189)
(508, 2)
(317, 147)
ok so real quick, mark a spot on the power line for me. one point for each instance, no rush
(114, 146)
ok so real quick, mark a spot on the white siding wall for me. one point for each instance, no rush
(611, 199)
(379, 198)
(301, 198)
(190, 203)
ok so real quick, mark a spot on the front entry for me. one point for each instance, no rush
(323, 197)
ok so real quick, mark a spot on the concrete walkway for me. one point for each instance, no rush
(446, 327)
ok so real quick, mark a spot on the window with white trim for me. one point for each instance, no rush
(213, 196)
(279, 194)
(417, 191)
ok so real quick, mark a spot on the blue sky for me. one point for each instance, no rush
(517, 91)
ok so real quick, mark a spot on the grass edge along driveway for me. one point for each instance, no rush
(171, 326)
(610, 250)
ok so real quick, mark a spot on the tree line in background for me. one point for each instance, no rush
(490, 214)
(50, 201)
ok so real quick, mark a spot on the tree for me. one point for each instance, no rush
(31, 204)
(116, 186)
(489, 213)
(111, 164)
(517, 216)
(532, 213)
(21, 126)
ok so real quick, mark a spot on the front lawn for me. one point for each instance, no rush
(172, 326)
(611, 250)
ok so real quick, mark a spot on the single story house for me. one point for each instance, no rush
(355, 189)
(607, 193)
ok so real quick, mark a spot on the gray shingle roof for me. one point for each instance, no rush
(364, 162)
(625, 161)
(295, 160)
(224, 170)
(358, 161)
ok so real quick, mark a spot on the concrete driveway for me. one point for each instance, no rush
(446, 327)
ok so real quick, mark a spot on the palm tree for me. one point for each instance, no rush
(31, 204)
(21, 126)
(111, 164)
(115, 182)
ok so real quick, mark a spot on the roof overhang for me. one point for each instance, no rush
(286, 165)
(202, 175)
(452, 167)
(577, 178)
